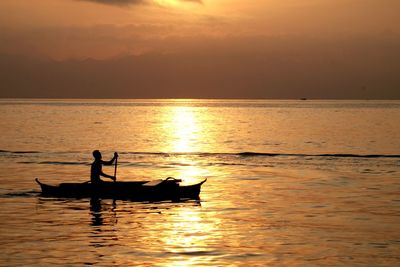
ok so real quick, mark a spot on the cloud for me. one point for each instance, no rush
(231, 67)
(133, 2)
(117, 2)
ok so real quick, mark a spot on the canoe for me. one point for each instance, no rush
(159, 190)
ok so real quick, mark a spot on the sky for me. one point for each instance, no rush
(342, 49)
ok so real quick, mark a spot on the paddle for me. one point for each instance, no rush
(115, 169)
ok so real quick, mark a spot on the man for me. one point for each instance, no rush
(96, 169)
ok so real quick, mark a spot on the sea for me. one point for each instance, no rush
(289, 182)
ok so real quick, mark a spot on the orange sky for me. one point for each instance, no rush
(228, 48)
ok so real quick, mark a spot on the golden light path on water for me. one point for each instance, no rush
(185, 134)
(185, 129)
(188, 231)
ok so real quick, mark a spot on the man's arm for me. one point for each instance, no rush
(107, 176)
(107, 163)
(111, 161)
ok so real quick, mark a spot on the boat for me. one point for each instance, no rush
(158, 190)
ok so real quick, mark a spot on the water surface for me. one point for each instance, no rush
(298, 183)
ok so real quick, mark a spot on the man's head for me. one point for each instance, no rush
(96, 154)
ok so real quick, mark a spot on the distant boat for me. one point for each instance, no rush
(303, 98)
(158, 190)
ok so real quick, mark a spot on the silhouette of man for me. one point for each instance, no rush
(96, 169)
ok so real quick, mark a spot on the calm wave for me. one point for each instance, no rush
(244, 154)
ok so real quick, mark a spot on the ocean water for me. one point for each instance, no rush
(290, 183)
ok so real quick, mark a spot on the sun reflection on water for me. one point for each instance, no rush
(188, 231)
(190, 172)
(185, 134)
(184, 129)
(189, 235)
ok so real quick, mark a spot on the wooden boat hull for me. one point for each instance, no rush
(136, 191)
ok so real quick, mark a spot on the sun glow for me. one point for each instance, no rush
(167, 2)
(173, 3)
